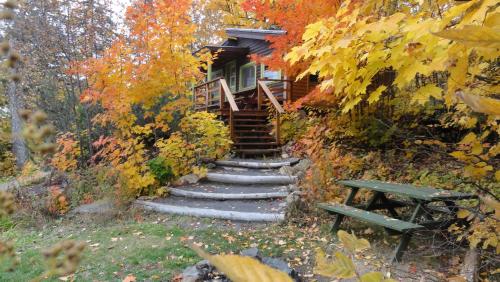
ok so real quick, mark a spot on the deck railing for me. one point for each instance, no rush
(213, 95)
(264, 91)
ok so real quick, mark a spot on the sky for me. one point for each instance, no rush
(119, 7)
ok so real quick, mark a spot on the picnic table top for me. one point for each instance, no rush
(407, 190)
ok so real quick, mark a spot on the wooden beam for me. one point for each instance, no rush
(229, 95)
(271, 97)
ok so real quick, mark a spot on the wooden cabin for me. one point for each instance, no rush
(244, 93)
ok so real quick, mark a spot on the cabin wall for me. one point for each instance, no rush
(302, 87)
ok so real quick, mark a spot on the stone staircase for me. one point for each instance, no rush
(242, 190)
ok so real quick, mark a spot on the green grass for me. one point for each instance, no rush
(149, 250)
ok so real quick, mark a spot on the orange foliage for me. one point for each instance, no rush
(66, 158)
(154, 61)
(292, 16)
(149, 66)
(57, 203)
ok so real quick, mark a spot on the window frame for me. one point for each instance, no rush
(248, 65)
(227, 70)
(263, 70)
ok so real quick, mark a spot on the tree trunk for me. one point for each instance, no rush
(470, 266)
(15, 105)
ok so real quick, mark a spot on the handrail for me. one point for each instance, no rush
(229, 95)
(271, 98)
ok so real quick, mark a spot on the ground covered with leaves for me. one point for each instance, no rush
(156, 247)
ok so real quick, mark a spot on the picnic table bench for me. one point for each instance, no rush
(424, 214)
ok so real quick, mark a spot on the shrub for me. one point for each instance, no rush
(68, 152)
(176, 155)
(161, 171)
(57, 203)
(292, 125)
(209, 136)
(201, 136)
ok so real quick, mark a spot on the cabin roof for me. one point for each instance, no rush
(260, 34)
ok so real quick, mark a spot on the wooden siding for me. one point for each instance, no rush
(302, 87)
(259, 47)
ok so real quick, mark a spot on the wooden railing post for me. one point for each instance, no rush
(259, 97)
(222, 96)
(278, 129)
(206, 97)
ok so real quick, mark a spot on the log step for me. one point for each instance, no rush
(249, 195)
(257, 164)
(203, 209)
(233, 178)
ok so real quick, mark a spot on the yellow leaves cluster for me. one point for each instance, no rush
(482, 232)
(201, 136)
(342, 266)
(476, 154)
(128, 160)
(68, 153)
(244, 269)
(177, 154)
(350, 49)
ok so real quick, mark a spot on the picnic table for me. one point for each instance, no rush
(428, 208)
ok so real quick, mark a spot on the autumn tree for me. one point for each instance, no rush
(142, 82)
(293, 17)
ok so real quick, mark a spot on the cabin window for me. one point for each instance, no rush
(266, 72)
(231, 75)
(247, 76)
(217, 74)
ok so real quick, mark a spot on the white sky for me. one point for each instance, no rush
(119, 7)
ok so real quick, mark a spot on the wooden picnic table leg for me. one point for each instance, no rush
(391, 210)
(406, 237)
(373, 201)
(452, 207)
(348, 202)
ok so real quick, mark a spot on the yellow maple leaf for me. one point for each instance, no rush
(341, 267)
(244, 269)
(375, 95)
(473, 36)
(423, 94)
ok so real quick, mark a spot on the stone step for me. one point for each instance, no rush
(226, 196)
(220, 191)
(248, 163)
(250, 179)
(268, 211)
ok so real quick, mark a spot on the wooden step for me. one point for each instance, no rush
(370, 217)
(269, 137)
(249, 120)
(251, 113)
(257, 151)
(251, 125)
(256, 143)
(251, 131)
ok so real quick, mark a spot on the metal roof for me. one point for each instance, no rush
(253, 33)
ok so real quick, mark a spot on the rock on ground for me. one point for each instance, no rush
(99, 207)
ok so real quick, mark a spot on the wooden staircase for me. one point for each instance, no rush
(252, 134)
(247, 115)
